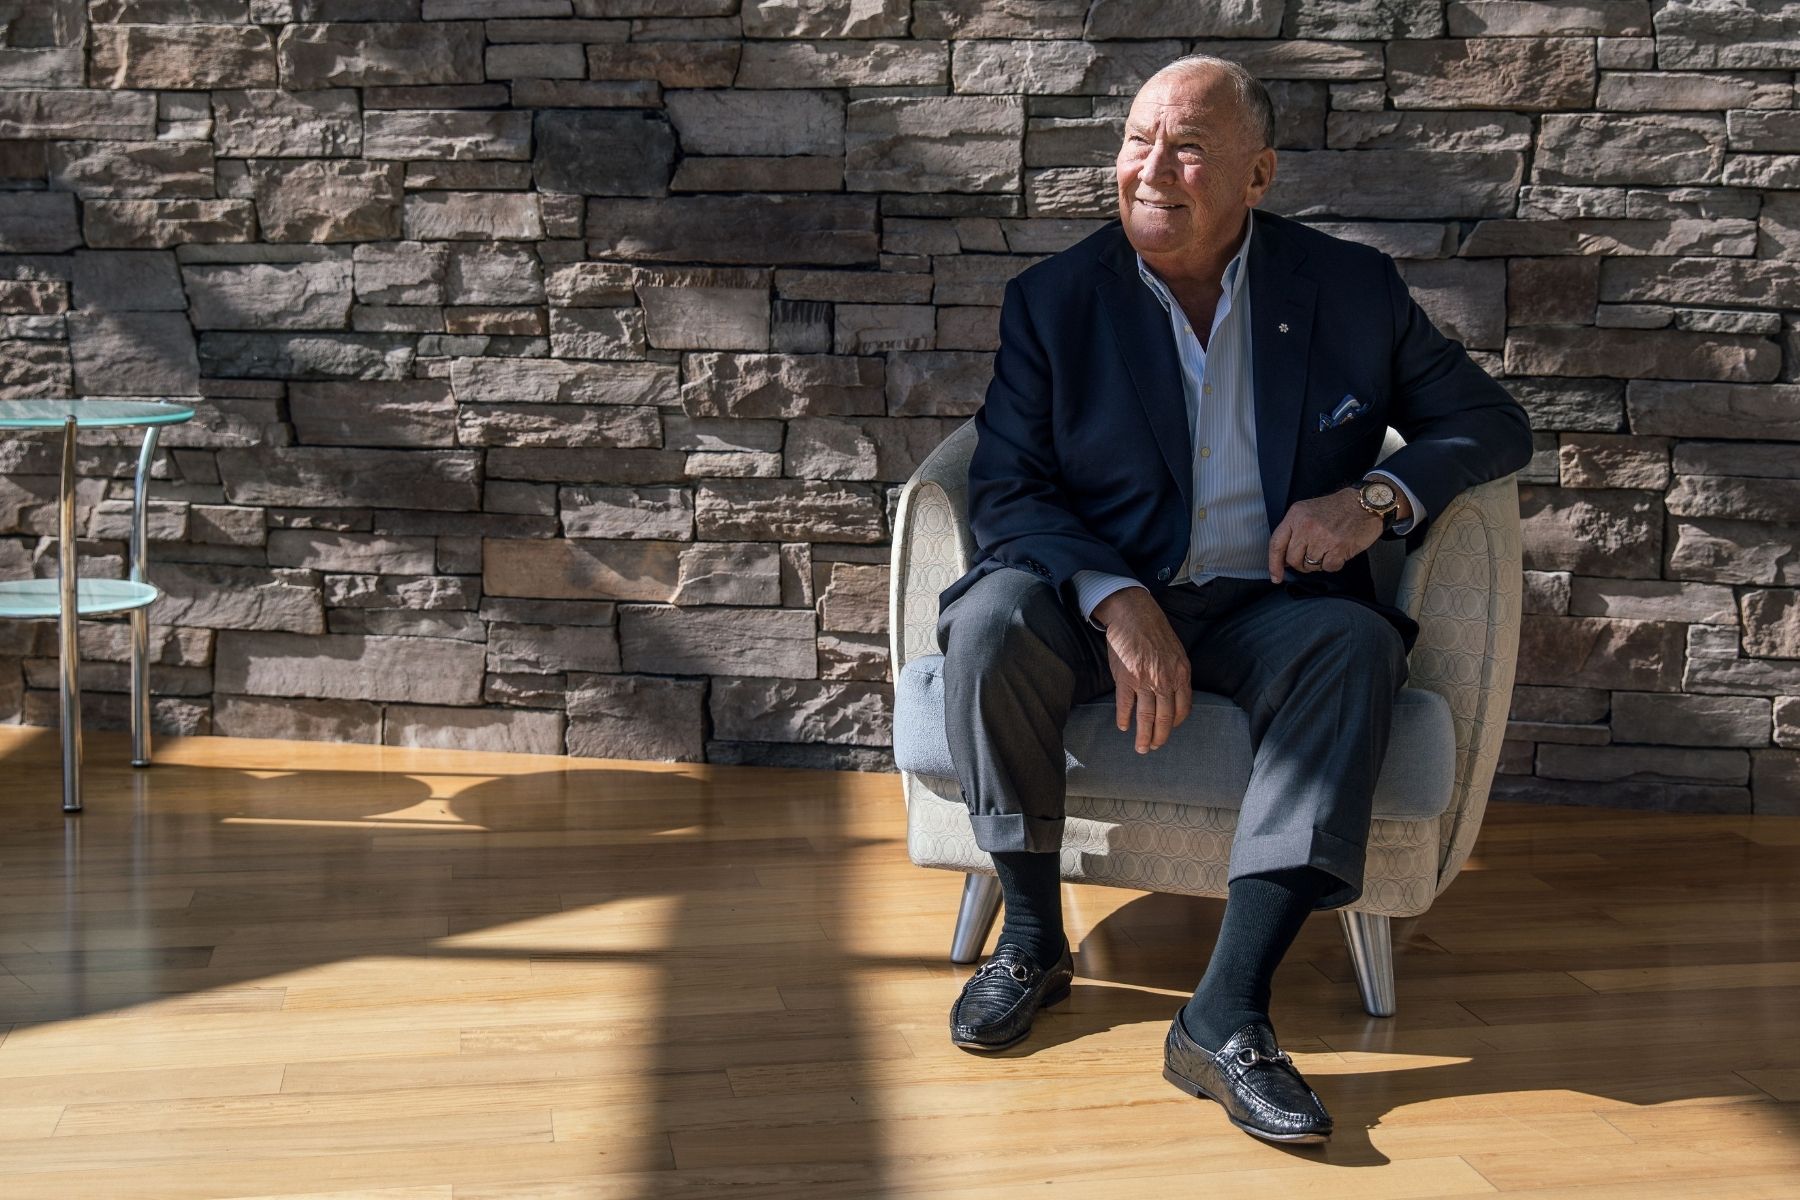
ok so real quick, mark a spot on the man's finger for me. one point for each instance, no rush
(1165, 720)
(1278, 545)
(1122, 705)
(1146, 718)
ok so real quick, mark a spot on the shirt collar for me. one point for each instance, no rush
(1231, 278)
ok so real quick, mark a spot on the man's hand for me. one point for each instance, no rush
(1332, 529)
(1149, 666)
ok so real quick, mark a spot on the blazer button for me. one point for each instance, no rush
(1163, 574)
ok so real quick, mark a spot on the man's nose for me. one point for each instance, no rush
(1157, 161)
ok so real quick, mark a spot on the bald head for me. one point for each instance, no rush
(1249, 103)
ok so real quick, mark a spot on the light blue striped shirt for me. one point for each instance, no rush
(1230, 526)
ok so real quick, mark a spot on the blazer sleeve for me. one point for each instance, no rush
(1018, 512)
(1461, 427)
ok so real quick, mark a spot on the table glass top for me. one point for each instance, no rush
(89, 414)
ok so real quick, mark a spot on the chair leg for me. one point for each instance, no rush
(975, 918)
(1372, 954)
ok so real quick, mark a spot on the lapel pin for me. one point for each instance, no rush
(1282, 327)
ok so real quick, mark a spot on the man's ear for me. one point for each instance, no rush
(1262, 176)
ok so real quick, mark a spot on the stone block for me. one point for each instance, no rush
(159, 224)
(1546, 592)
(1687, 91)
(844, 64)
(350, 667)
(1641, 354)
(797, 174)
(499, 274)
(872, 328)
(934, 144)
(1601, 652)
(1599, 237)
(1459, 132)
(271, 123)
(1703, 35)
(181, 56)
(1772, 623)
(1634, 795)
(1564, 704)
(503, 730)
(38, 223)
(370, 553)
(1729, 551)
(223, 596)
(133, 354)
(379, 53)
(1787, 721)
(795, 510)
(1676, 720)
(1536, 18)
(706, 309)
(1751, 499)
(855, 598)
(306, 355)
(1740, 676)
(473, 216)
(616, 512)
(539, 649)
(400, 273)
(334, 477)
(148, 170)
(1657, 764)
(1733, 283)
(537, 60)
(717, 641)
(1715, 410)
(555, 425)
(1769, 459)
(326, 200)
(781, 385)
(581, 570)
(303, 295)
(683, 64)
(825, 18)
(1591, 148)
(297, 719)
(446, 134)
(753, 230)
(127, 281)
(1592, 531)
(414, 412)
(1552, 291)
(1608, 460)
(597, 333)
(60, 113)
(637, 717)
(1465, 300)
(604, 152)
(1529, 74)
(1396, 183)
(726, 573)
(811, 711)
(998, 18)
(590, 285)
(937, 383)
(545, 381)
(1057, 68)
(749, 123)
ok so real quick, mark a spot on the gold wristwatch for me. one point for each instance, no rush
(1378, 496)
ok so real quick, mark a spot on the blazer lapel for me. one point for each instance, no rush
(1140, 325)
(1281, 319)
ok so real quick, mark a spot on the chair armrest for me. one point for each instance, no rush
(1463, 586)
(932, 545)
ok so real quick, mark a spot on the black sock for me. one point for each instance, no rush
(1032, 885)
(1263, 916)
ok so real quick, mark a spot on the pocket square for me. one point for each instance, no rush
(1347, 410)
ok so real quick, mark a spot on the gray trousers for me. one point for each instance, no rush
(1317, 676)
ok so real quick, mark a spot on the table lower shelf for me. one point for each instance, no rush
(42, 598)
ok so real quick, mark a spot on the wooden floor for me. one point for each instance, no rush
(270, 969)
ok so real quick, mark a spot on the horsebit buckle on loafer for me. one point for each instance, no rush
(1257, 1056)
(1018, 971)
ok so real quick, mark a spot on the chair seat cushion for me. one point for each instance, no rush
(1206, 760)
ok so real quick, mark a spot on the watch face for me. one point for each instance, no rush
(1379, 492)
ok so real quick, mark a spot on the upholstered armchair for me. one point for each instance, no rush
(1164, 822)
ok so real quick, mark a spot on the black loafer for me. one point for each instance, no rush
(1256, 1083)
(1005, 992)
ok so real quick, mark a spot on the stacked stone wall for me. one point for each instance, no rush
(559, 360)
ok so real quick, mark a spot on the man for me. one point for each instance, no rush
(1172, 489)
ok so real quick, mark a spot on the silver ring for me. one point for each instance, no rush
(1313, 562)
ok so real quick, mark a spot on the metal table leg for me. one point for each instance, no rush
(140, 617)
(68, 624)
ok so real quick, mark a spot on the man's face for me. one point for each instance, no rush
(1188, 167)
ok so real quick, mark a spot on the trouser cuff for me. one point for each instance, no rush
(1004, 832)
(1343, 860)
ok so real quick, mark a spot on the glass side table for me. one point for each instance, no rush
(69, 597)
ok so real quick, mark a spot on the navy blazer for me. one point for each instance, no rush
(1082, 455)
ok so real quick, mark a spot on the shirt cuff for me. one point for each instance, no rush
(1418, 510)
(1091, 587)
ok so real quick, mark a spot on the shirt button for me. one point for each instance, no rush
(1207, 388)
(1206, 452)
(1202, 514)
(1163, 574)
